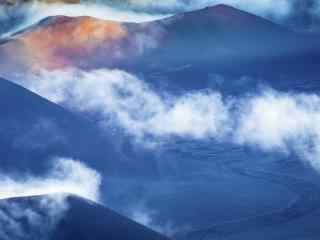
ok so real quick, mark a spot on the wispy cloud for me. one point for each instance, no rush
(284, 122)
(66, 176)
(270, 120)
(147, 217)
(124, 99)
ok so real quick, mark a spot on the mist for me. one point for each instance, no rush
(269, 120)
(66, 176)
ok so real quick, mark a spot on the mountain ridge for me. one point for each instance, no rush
(81, 219)
(220, 37)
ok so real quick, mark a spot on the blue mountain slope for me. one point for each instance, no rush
(80, 219)
(33, 130)
(226, 41)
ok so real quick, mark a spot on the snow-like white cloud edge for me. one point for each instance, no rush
(66, 176)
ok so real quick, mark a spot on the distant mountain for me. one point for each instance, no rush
(223, 36)
(80, 219)
(220, 38)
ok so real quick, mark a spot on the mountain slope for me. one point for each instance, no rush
(222, 36)
(214, 34)
(183, 51)
(77, 219)
(34, 130)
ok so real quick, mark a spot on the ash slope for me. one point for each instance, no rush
(80, 219)
(33, 130)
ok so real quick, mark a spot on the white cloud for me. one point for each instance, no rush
(147, 217)
(282, 122)
(67, 176)
(117, 95)
(271, 120)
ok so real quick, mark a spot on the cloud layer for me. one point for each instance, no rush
(270, 120)
(124, 99)
(283, 122)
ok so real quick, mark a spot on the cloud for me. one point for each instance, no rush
(37, 217)
(120, 97)
(271, 121)
(66, 176)
(145, 216)
(284, 122)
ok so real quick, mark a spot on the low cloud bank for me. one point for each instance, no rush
(147, 216)
(284, 122)
(121, 98)
(270, 120)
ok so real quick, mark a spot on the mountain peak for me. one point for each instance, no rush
(222, 7)
(226, 16)
(71, 219)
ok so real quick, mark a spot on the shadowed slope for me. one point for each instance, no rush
(78, 219)
(34, 130)
(218, 35)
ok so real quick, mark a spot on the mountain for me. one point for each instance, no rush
(64, 41)
(228, 40)
(33, 130)
(215, 40)
(77, 218)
